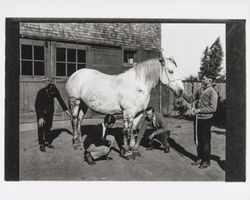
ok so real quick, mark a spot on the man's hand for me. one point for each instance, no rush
(108, 143)
(196, 111)
(68, 113)
(150, 137)
(41, 122)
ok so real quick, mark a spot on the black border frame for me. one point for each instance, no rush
(236, 93)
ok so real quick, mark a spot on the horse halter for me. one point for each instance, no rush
(166, 68)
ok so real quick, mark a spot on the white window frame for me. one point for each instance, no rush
(69, 46)
(33, 43)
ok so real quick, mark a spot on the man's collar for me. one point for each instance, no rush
(207, 86)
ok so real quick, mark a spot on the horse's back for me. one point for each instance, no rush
(83, 79)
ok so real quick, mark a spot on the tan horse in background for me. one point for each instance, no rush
(127, 93)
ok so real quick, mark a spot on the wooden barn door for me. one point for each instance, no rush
(34, 70)
(44, 62)
(65, 60)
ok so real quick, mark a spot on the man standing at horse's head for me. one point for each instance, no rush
(206, 104)
(153, 128)
(44, 106)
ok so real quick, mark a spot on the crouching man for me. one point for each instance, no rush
(98, 143)
(153, 128)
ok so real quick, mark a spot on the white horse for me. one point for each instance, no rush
(127, 93)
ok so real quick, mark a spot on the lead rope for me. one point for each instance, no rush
(195, 133)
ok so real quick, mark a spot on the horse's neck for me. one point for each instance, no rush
(140, 80)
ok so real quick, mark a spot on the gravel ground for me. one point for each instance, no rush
(64, 163)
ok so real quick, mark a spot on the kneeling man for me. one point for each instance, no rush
(98, 143)
(153, 127)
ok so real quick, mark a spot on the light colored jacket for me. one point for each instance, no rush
(206, 101)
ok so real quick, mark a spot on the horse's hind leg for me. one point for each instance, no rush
(82, 111)
(74, 105)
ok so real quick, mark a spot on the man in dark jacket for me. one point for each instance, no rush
(153, 127)
(44, 106)
(99, 142)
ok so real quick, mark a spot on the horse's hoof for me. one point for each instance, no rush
(75, 147)
(126, 154)
(126, 157)
(77, 144)
(136, 154)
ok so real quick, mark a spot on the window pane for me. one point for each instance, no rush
(39, 68)
(129, 56)
(26, 51)
(81, 56)
(60, 54)
(26, 67)
(80, 66)
(60, 69)
(38, 53)
(125, 59)
(71, 69)
(71, 55)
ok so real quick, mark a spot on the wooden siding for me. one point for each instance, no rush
(28, 94)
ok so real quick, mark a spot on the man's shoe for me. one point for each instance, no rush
(42, 148)
(167, 149)
(89, 158)
(49, 145)
(108, 158)
(150, 145)
(149, 148)
(204, 165)
(197, 162)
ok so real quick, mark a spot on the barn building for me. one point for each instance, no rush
(51, 52)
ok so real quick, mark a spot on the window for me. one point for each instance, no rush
(68, 60)
(129, 57)
(32, 60)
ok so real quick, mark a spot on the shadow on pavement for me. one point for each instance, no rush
(221, 163)
(179, 149)
(53, 134)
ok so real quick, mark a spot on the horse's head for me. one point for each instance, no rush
(170, 76)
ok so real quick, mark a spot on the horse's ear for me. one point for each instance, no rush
(162, 61)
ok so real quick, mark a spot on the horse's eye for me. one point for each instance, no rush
(170, 71)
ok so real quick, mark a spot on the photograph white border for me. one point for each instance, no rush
(178, 9)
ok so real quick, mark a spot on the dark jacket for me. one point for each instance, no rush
(44, 104)
(95, 137)
(160, 124)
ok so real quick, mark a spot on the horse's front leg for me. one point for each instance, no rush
(125, 152)
(74, 105)
(136, 139)
(128, 137)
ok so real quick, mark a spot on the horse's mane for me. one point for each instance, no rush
(149, 70)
